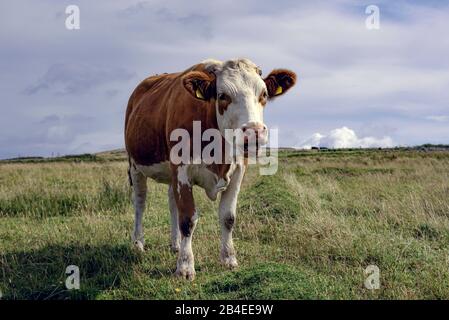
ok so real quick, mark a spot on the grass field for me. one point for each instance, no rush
(307, 232)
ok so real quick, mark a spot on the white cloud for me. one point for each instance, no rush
(345, 138)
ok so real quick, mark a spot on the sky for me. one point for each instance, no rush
(65, 91)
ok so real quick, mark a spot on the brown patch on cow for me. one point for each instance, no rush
(184, 202)
(145, 118)
(279, 78)
(186, 225)
(159, 105)
(223, 102)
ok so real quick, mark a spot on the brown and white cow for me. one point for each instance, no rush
(221, 95)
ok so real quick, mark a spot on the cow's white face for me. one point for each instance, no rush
(240, 94)
(241, 97)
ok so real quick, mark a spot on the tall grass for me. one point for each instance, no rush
(307, 232)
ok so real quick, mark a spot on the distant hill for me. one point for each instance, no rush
(113, 155)
(121, 155)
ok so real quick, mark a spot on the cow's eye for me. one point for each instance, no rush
(263, 98)
(223, 96)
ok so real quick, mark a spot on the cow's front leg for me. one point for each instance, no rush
(187, 218)
(227, 214)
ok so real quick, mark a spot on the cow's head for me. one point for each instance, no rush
(239, 93)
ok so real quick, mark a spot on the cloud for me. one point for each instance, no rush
(76, 78)
(52, 134)
(345, 138)
(388, 80)
(439, 118)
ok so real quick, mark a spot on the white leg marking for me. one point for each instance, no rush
(227, 214)
(175, 232)
(183, 178)
(227, 253)
(185, 266)
(139, 195)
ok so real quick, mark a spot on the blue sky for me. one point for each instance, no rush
(65, 91)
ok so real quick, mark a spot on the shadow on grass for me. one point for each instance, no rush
(40, 274)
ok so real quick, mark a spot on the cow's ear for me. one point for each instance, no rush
(279, 81)
(200, 85)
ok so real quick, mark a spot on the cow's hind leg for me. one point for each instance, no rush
(139, 184)
(175, 232)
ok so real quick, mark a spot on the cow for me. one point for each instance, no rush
(221, 96)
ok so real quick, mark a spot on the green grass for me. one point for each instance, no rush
(307, 232)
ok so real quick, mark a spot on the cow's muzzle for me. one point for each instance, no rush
(255, 134)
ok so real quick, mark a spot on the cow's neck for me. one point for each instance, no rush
(221, 169)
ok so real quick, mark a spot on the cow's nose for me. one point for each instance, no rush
(255, 126)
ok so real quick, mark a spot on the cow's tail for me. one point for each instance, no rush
(129, 172)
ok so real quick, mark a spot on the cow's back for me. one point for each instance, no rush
(145, 119)
(157, 106)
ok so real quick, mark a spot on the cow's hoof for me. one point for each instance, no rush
(229, 262)
(139, 246)
(187, 273)
(185, 268)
